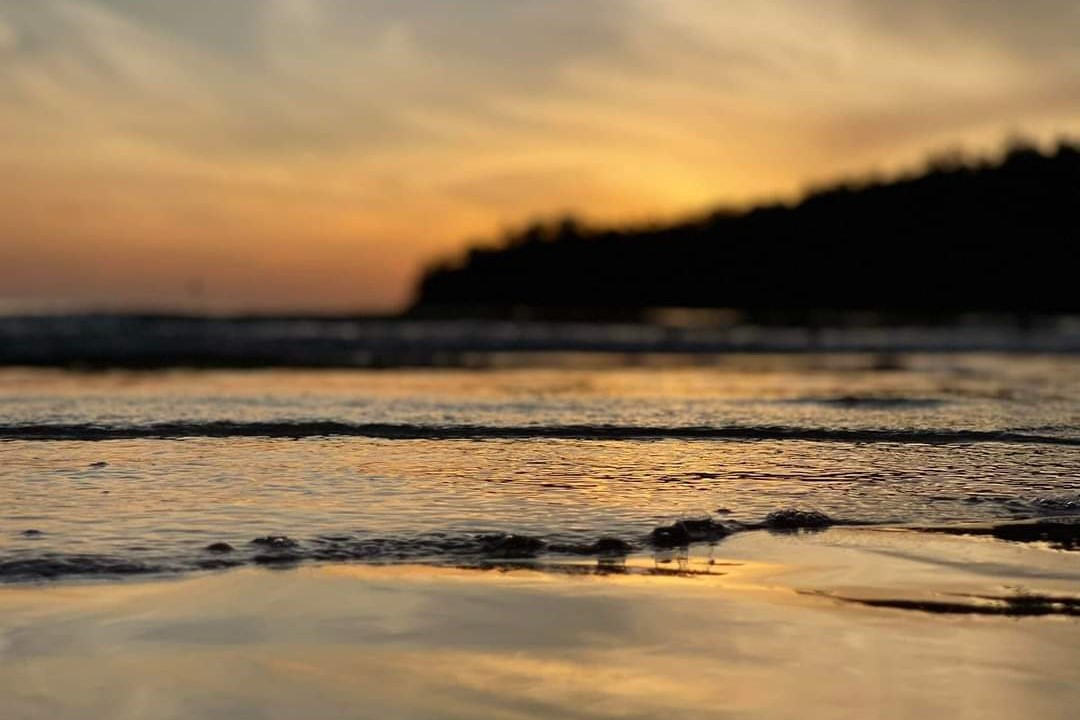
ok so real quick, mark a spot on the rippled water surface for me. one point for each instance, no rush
(129, 472)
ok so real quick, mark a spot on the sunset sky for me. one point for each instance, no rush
(314, 154)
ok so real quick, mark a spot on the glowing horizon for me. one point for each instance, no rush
(315, 154)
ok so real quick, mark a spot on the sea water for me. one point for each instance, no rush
(126, 472)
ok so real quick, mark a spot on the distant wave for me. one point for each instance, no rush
(295, 430)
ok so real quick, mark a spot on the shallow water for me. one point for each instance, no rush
(125, 472)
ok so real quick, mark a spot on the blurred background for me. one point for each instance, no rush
(376, 182)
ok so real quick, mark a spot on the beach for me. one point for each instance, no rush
(430, 360)
(750, 628)
(760, 536)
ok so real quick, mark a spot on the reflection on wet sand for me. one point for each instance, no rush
(687, 633)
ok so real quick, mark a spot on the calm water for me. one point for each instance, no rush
(115, 473)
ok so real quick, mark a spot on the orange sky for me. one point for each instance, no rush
(314, 154)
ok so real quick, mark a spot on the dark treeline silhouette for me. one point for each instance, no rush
(961, 236)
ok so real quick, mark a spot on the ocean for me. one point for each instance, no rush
(593, 536)
(126, 472)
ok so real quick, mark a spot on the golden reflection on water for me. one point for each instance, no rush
(723, 631)
(730, 639)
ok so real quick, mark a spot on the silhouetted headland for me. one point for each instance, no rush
(960, 236)
(963, 256)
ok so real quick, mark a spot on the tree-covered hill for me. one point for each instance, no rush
(987, 236)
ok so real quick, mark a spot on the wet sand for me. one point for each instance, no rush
(760, 626)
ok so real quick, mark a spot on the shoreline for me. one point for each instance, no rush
(608, 556)
(653, 554)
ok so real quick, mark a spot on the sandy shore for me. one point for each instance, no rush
(754, 628)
